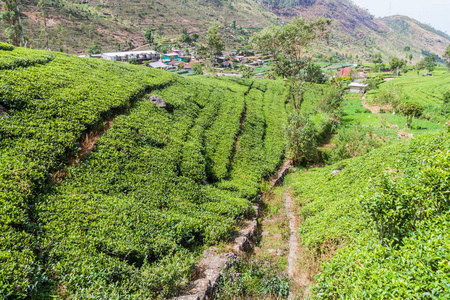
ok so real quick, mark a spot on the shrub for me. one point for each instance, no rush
(252, 279)
(445, 108)
(403, 201)
(302, 139)
(133, 61)
(6, 47)
(410, 109)
(352, 142)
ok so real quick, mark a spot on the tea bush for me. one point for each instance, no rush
(131, 218)
(386, 214)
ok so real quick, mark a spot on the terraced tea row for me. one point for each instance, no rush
(129, 220)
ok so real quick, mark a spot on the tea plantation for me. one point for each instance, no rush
(130, 219)
(379, 223)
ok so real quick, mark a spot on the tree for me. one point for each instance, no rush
(94, 48)
(149, 35)
(194, 37)
(430, 62)
(11, 17)
(377, 60)
(420, 66)
(197, 67)
(302, 138)
(247, 72)
(214, 42)
(185, 38)
(447, 56)
(396, 64)
(42, 4)
(410, 58)
(289, 48)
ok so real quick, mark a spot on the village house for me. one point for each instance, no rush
(358, 88)
(125, 56)
(226, 64)
(345, 72)
(158, 65)
(171, 57)
(175, 63)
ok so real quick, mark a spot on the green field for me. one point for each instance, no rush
(425, 91)
(130, 219)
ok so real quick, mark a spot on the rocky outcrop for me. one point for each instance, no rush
(158, 101)
(213, 263)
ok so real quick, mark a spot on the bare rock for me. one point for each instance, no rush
(212, 265)
(158, 101)
(265, 233)
(242, 244)
(335, 172)
(280, 252)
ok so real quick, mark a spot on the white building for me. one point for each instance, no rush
(359, 88)
(125, 56)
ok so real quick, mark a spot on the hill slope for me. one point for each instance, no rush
(383, 218)
(105, 195)
(358, 32)
(73, 26)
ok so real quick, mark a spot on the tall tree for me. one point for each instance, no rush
(447, 56)
(11, 17)
(42, 4)
(420, 66)
(290, 49)
(149, 35)
(430, 62)
(214, 42)
(396, 64)
(377, 60)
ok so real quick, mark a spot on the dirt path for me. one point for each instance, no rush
(300, 279)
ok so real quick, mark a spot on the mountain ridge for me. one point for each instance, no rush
(74, 25)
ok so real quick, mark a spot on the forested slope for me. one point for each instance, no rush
(128, 219)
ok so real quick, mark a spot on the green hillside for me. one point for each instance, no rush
(129, 219)
(428, 92)
(379, 223)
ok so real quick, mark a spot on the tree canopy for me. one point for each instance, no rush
(447, 56)
(289, 46)
(10, 16)
(214, 42)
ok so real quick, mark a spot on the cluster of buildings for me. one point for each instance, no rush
(358, 85)
(174, 58)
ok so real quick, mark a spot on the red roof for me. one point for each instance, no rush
(345, 72)
(187, 66)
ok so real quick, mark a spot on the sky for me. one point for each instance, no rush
(433, 12)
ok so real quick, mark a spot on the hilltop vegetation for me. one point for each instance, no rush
(130, 218)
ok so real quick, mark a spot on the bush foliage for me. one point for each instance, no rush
(388, 214)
